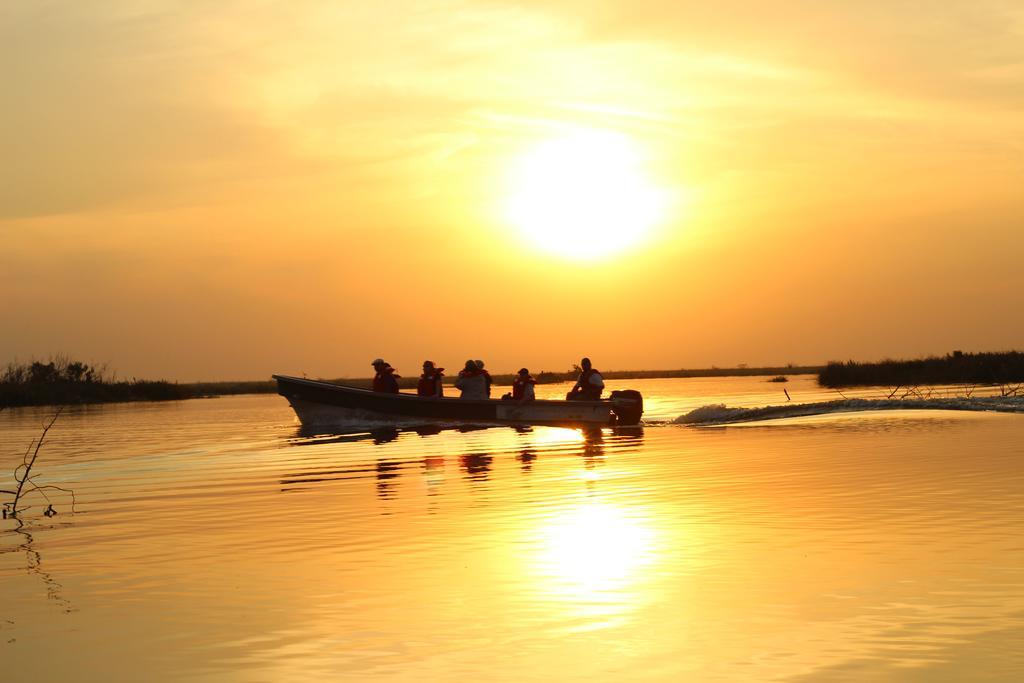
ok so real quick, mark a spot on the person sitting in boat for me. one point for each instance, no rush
(386, 380)
(471, 381)
(488, 380)
(589, 385)
(430, 381)
(522, 386)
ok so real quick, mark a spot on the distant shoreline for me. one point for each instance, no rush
(1001, 368)
(54, 384)
(66, 382)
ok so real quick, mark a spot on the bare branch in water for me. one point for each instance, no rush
(23, 472)
(34, 489)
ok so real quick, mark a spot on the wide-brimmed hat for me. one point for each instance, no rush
(378, 361)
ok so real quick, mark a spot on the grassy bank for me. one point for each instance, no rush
(954, 368)
(62, 381)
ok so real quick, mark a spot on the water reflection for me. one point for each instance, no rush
(526, 458)
(592, 552)
(626, 435)
(476, 463)
(387, 471)
(384, 435)
(433, 473)
(593, 447)
(594, 557)
(476, 466)
(34, 566)
(316, 436)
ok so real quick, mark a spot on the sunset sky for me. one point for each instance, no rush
(226, 190)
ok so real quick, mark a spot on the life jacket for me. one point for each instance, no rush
(430, 385)
(386, 381)
(585, 387)
(472, 384)
(519, 386)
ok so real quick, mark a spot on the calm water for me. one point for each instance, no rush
(214, 541)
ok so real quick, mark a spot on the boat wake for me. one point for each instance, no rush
(720, 414)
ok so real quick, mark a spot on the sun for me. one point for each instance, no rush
(583, 195)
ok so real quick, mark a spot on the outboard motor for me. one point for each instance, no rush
(628, 406)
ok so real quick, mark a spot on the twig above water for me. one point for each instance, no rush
(26, 480)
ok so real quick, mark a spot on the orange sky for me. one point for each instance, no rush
(225, 190)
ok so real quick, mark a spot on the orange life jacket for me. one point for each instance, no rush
(386, 381)
(430, 385)
(519, 386)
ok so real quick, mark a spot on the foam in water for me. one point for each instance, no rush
(717, 414)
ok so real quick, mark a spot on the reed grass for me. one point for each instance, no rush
(63, 381)
(1002, 368)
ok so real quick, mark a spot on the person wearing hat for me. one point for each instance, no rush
(471, 381)
(522, 386)
(385, 381)
(430, 381)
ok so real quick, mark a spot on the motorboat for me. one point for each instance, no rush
(319, 403)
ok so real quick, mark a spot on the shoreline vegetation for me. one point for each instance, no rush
(973, 369)
(62, 381)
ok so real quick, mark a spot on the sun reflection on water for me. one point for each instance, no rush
(556, 435)
(593, 556)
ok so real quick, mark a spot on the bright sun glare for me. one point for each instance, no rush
(583, 195)
(595, 547)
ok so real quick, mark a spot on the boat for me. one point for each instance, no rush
(320, 403)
